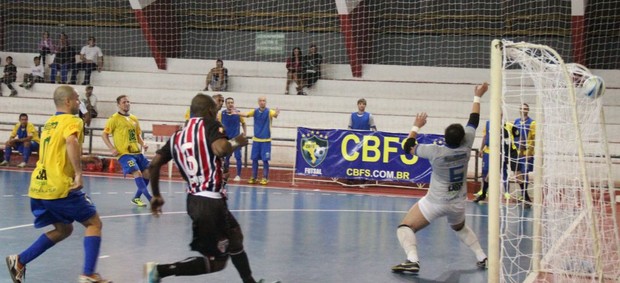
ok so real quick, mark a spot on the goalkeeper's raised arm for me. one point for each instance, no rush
(474, 117)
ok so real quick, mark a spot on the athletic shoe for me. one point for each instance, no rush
(407, 266)
(507, 196)
(18, 274)
(93, 278)
(263, 281)
(482, 263)
(4, 163)
(13, 93)
(479, 193)
(479, 198)
(252, 181)
(21, 165)
(150, 273)
(264, 181)
(138, 202)
(237, 178)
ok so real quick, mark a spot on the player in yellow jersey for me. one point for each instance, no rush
(56, 196)
(24, 138)
(127, 135)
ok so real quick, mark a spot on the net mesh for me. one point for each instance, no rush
(449, 33)
(574, 208)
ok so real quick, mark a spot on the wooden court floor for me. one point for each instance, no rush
(292, 235)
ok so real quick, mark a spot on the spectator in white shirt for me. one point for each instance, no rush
(91, 58)
(90, 101)
(37, 74)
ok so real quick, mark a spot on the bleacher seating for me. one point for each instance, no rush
(394, 94)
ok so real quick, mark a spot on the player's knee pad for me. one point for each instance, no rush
(235, 240)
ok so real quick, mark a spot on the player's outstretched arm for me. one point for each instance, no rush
(411, 143)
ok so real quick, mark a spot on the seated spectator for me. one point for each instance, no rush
(312, 66)
(24, 138)
(91, 58)
(10, 75)
(46, 46)
(294, 67)
(37, 74)
(90, 101)
(217, 78)
(65, 57)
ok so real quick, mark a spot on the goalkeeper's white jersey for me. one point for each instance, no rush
(449, 177)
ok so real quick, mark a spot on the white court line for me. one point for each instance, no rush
(247, 210)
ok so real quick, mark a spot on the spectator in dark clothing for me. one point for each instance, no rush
(65, 57)
(10, 75)
(294, 67)
(312, 66)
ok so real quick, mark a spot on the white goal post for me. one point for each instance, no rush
(568, 232)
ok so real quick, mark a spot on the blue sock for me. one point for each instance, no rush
(254, 168)
(141, 187)
(239, 165)
(91, 253)
(266, 169)
(146, 189)
(7, 153)
(36, 249)
(27, 151)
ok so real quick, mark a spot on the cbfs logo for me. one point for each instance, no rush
(314, 146)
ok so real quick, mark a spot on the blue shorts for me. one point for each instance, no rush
(77, 206)
(19, 146)
(133, 162)
(525, 164)
(261, 150)
(485, 164)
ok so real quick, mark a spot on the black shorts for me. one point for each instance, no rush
(212, 223)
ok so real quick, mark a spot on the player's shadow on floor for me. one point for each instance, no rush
(452, 276)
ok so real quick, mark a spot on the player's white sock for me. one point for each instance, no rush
(407, 240)
(468, 237)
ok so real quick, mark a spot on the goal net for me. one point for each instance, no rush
(567, 230)
(348, 32)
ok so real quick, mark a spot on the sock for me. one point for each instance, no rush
(27, 151)
(242, 264)
(266, 169)
(407, 240)
(7, 153)
(239, 166)
(36, 249)
(91, 253)
(187, 267)
(141, 187)
(254, 168)
(468, 237)
(485, 187)
(146, 189)
(524, 193)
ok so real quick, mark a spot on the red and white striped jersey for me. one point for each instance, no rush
(190, 149)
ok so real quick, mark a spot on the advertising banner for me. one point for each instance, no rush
(364, 155)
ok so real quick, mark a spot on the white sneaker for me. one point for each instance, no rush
(21, 165)
(4, 163)
(237, 178)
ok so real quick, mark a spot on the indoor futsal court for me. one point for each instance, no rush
(291, 235)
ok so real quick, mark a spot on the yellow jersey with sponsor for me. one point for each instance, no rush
(30, 130)
(54, 174)
(125, 131)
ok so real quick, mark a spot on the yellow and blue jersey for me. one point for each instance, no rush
(231, 122)
(262, 124)
(54, 174)
(125, 131)
(21, 132)
(525, 135)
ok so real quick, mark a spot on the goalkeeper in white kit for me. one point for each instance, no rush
(446, 194)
